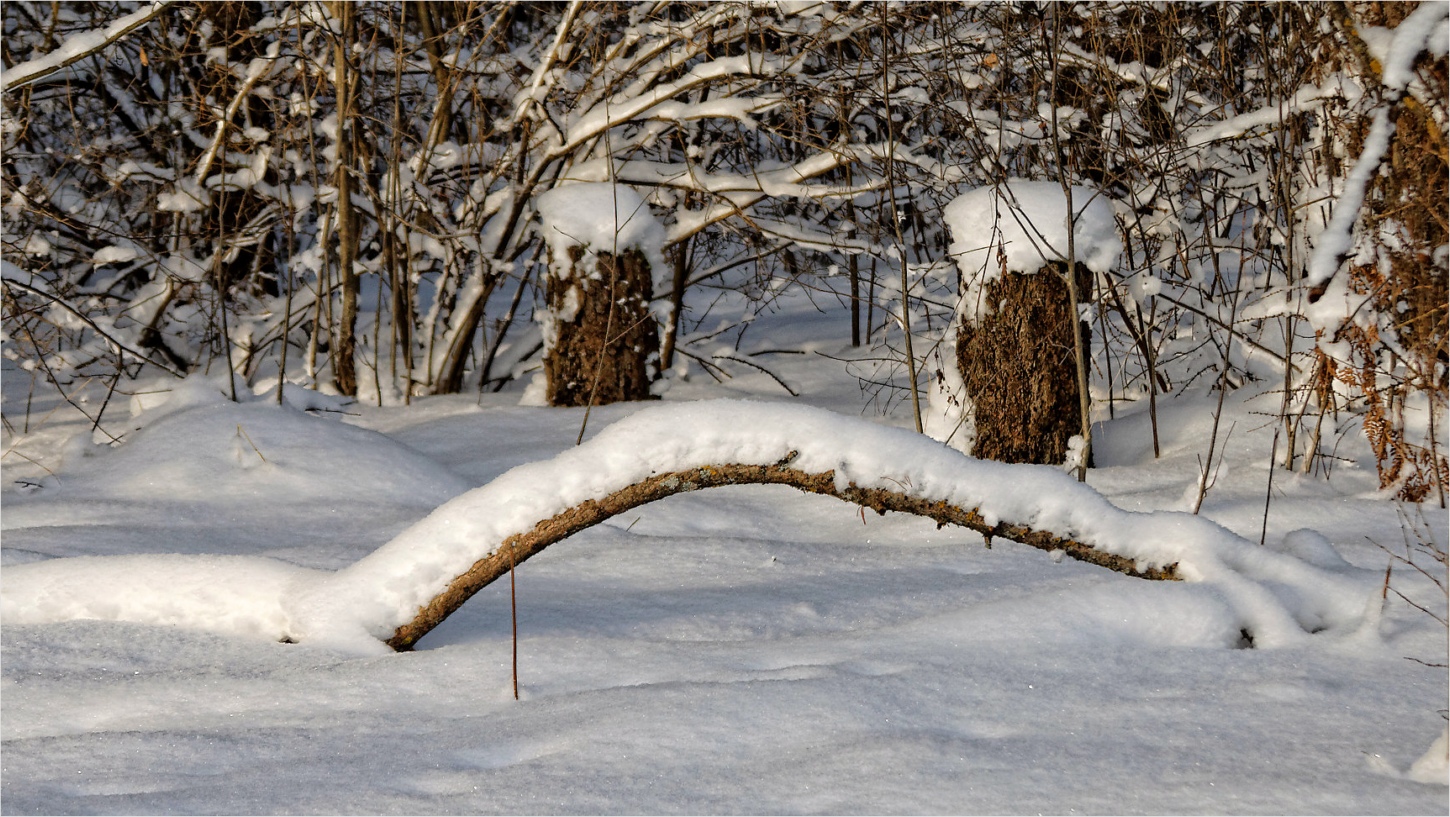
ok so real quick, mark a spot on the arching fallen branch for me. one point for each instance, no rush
(395, 595)
(405, 588)
(519, 547)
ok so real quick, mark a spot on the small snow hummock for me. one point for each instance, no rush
(600, 217)
(1433, 766)
(1277, 597)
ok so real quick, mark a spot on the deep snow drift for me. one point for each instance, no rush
(740, 649)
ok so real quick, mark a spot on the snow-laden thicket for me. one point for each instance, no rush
(1274, 597)
(172, 199)
(292, 191)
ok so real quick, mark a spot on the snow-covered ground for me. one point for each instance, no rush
(747, 649)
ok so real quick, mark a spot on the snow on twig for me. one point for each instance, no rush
(1336, 242)
(80, 46)
(10, 280)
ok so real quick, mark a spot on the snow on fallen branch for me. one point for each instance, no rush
(399, 592)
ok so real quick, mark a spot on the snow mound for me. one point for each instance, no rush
(232, 594)
(199, 446)
(1276, 597)
(1433, 766)
(1028, 222)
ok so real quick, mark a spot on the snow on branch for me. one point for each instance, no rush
(256, 70)
(10, 277)
(1307, 98)
(80, 46)
(1336, 242)
(603, 116)
(399, 592)
(785, 180)
(539, 84)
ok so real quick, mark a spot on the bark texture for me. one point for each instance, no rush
(1018, 365)
(345, 362)
(606, 345)
(521, 546)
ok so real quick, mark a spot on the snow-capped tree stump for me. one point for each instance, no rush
(1018, 366)
(515, 549)
(605, 338)
(601, 341)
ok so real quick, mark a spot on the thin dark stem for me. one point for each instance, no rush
(1269, 492)
(896, 221)
(1084, 398)
(514, 617)
(612, 284)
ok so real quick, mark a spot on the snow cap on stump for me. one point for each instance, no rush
(601, 218)
(1028, 221)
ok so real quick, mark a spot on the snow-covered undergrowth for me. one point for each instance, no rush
(744, 649)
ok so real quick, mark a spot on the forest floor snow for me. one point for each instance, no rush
(747, 649)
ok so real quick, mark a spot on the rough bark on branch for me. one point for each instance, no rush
(519, 547)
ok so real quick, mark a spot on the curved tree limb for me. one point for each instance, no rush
(519, 547)
(398, 593)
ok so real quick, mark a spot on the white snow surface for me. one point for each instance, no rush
(200, 446)
(1027, 220)
(747, 649)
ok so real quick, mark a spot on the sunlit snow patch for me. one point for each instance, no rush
(599, 217)
(197, 445)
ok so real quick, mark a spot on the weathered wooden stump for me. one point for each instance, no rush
(605, 344)
(1018, 366)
